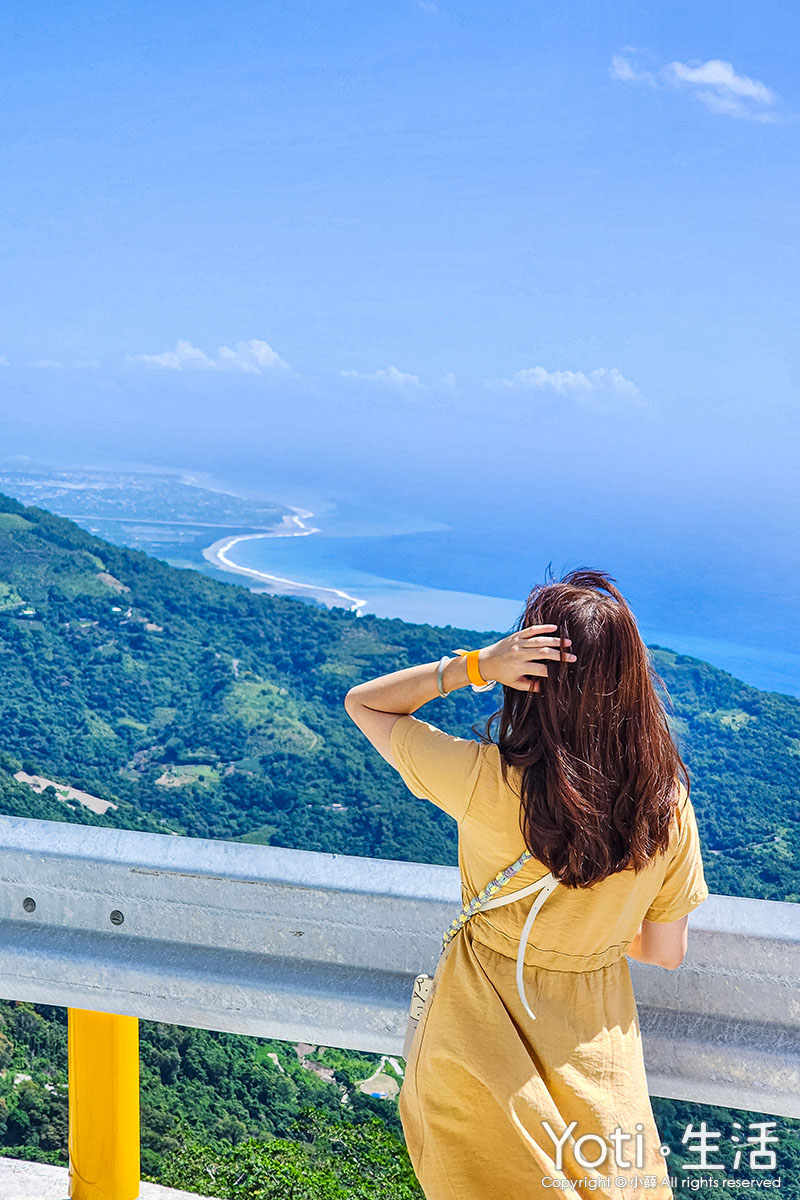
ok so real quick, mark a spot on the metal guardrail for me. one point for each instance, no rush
(323, 948)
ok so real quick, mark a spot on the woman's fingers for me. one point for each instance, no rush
(546, 641)
(539, 668)
(525, 684)
(535, 668)
(527, 647)
(549, 652)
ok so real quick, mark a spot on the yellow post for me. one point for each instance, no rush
(104, 1159)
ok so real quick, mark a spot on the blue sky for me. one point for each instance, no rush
(514, 248)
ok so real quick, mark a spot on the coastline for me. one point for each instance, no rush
(770, 671)
(290, 526)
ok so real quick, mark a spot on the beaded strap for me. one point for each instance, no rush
(476, 903)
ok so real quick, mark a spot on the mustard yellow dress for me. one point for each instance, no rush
(493, 1103)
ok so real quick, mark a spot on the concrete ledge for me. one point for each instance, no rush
(20, 1180)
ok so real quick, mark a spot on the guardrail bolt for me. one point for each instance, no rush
(29, 904)
(116, 917)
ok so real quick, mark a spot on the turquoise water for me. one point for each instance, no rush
(697, 598)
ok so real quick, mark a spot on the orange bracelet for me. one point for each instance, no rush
(473, 670)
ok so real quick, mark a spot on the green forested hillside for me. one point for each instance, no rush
(198, 707)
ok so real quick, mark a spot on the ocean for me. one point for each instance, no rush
(719, 598)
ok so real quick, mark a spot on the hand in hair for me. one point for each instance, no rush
(516, 660)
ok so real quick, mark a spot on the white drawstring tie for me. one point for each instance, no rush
(545, 886)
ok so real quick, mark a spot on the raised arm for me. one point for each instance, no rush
(513, 660)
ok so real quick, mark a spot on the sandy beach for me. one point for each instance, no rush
(290, 526)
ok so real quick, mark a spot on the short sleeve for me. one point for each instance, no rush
(435, 765)
(684, 886)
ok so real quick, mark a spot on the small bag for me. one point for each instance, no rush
(423, 984)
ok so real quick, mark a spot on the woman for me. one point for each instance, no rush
(519, 1084)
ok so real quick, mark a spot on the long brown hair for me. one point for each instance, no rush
(599, 765)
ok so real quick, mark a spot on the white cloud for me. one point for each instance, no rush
(604, 389)
(184, 355)
(718, 74)
(714, 83)
(622, 68)
(254, 358)
(400, 379)
(51, 363)
(4, 361)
